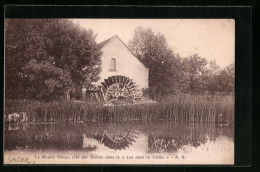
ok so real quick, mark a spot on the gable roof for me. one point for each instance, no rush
(103, 43)
(107, 41)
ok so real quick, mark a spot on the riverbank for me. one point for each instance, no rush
(189, 108)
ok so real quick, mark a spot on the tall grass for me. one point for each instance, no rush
(218, 109)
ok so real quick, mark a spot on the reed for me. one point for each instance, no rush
(190, 108)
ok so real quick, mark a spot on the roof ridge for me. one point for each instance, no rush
(105, 42)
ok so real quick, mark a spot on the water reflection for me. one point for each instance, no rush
(117, 136)
(154, 137)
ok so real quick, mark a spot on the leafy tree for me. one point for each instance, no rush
(225, 80)
(169, 73)
(212, 73)
(44, 58)
(195, 73)
(221, 80)
(152, 49)
(213, 67)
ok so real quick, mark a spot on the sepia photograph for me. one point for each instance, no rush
(119, 91)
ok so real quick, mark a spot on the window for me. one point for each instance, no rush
(112, 66)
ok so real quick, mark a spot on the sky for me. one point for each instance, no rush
(209, 38)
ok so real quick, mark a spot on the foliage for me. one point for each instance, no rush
(171, 74)
(153, 51)
(222, 80)
(194, 72)
(47, 57)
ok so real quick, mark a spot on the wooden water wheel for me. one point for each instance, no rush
(120, 88)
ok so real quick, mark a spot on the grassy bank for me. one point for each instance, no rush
(218, 109)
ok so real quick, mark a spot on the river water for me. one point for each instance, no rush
(109, 142)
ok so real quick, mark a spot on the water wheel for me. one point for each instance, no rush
(120, 89)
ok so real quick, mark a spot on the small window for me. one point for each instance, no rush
(112, 65)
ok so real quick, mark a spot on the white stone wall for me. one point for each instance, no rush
(126, 64)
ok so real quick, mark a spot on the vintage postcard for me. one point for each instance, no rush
(119, 91)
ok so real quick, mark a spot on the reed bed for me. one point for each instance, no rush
(188, 108)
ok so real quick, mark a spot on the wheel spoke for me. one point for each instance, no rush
(112, 100)
(120, 88)
(129, 95)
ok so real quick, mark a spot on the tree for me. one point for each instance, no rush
(213, 68)
(212, 72)
(195, 73)
(221, 80)
(44, 58)
(153, 51)
(225, 81)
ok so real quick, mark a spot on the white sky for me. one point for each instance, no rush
(209, 38)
